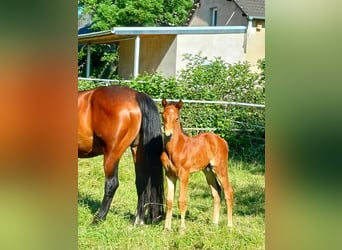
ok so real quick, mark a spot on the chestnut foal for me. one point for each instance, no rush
(184, 155)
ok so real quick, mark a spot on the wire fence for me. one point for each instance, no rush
(200, 106)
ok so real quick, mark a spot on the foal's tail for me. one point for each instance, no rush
(149, 170)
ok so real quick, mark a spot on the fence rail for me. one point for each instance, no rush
(218, 102)
(192, 129)
(186, 101)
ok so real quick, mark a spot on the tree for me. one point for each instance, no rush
(106, 14)
(110, 13)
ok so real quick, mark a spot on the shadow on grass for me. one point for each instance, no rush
(248, 200)
(88, 201)
(251, 154)
(254, 167)
(94, 205)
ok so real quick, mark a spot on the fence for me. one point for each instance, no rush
(200, 107)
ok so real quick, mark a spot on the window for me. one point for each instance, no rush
(213, 16)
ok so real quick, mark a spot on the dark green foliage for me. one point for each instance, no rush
(104, 58)
(215, 80)
(86, 85)
(106, 14)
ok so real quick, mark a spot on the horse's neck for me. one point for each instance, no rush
(177, 139)
(178, 134)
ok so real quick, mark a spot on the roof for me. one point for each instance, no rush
(123, 33)
(252, 8)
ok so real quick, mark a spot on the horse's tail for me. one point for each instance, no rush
(149, 170)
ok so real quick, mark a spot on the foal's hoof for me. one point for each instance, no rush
(182, 229)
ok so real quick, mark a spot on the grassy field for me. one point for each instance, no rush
(117, 232)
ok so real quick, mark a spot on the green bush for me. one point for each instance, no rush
(242, 127)
(85, 85)
(215, 80)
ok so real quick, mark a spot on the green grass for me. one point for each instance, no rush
(117, 232)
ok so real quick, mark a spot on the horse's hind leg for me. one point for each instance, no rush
(141, 183)
(228, 192)
(182, 204)
(111, 185)
(215, 191)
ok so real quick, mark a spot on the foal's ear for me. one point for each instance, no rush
(164, 102)
(179, 104)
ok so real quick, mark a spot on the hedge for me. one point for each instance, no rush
(214, 80)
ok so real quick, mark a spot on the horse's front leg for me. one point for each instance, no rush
(171, 181)
(184, 180)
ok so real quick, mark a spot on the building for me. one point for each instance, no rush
(231, 29)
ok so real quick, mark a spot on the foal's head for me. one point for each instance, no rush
(171, 115)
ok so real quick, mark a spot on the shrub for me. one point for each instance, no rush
(215, 80)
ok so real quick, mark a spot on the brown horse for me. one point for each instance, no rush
(184, 155)
(110, 119)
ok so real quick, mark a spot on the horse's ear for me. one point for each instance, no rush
(164, 102)
(179, 104)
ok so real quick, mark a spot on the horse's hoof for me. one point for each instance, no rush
(138, 222)
(96, 220)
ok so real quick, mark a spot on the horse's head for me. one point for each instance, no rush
(171, 116)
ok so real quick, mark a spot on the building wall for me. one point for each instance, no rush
(164, 53)
(157, 54)
(230, 47)
(228, 14)
(255, 48)
(126, 58)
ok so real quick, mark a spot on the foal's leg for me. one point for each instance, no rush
(171, 181)
(184, 180)
(215, 191)
(228, 193)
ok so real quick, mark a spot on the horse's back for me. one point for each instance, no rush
(212, 140)
(212, 145)
(114, 95)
